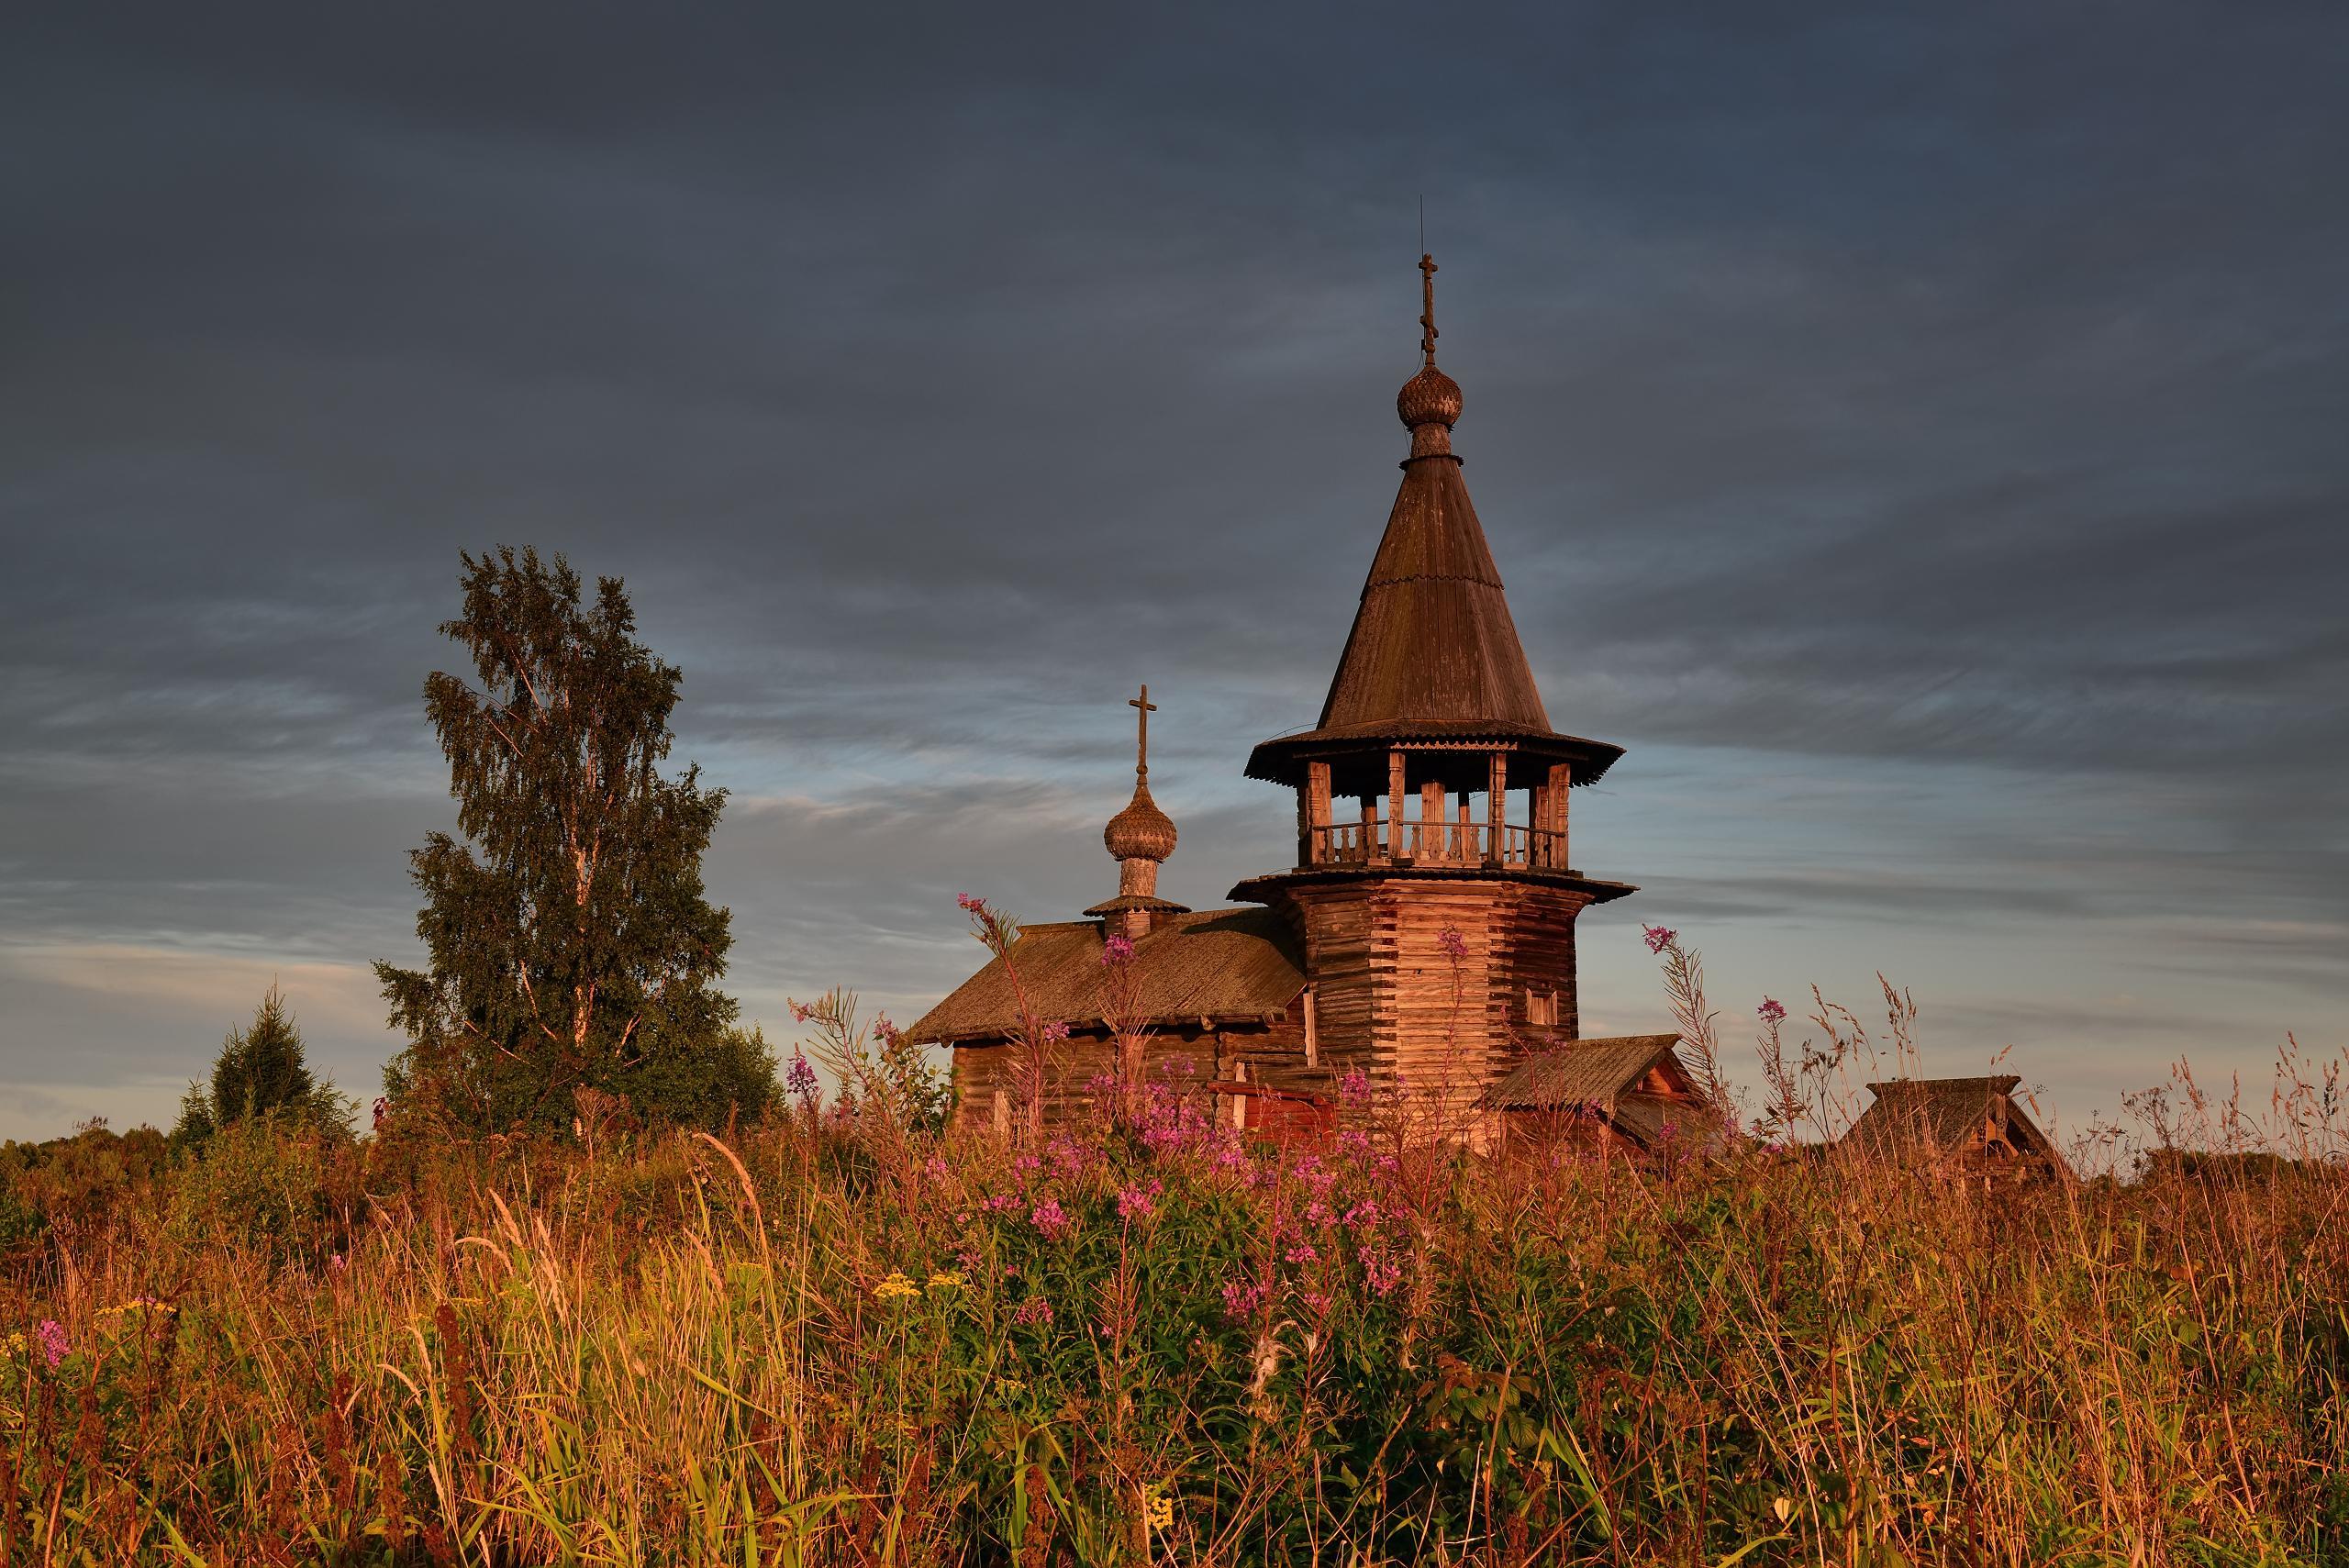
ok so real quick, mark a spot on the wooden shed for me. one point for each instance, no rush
(1968, 1126)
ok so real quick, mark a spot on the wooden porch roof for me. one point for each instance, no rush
(1584, 1071)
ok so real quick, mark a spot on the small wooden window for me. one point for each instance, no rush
(1540, 1007)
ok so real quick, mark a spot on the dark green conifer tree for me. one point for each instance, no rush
(569, 942)
(261, 1071)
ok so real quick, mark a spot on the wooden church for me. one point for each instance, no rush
(1425, 934)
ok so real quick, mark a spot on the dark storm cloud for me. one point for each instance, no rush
(1852, 393)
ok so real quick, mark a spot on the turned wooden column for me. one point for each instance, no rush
(1495, 808)
(1313, 806)
(1394, 846)
(1561, 775)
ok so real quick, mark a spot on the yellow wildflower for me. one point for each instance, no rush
(896, 1287)
(952, 1279)
(1157, 1507)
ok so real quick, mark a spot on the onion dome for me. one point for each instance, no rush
(1428, 404)
(1429, 397)
(1139, 837)
(1141, 831)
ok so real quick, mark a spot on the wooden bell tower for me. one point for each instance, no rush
(1434, 893)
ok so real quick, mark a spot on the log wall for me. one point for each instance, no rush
(1272, 1053)
(1393, 1002)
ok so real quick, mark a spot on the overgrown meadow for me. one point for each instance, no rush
(836, 1336)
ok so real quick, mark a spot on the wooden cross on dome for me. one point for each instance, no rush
(1427, 305)
(1142, 741)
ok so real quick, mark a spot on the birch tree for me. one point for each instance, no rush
(569, 942)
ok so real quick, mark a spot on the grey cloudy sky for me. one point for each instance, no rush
(1916, 432)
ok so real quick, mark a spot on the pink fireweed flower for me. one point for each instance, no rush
(1139, 1202)
(53, 1342)
(1069, 1158)
(1454, 946)
(1379, 1271)
(1303, 1252)
(972, 902)
(1658, 937)
(799, 1078)
(1363, 1215)
(1241, 1300)
(1117, 949)
(1051, 1220)
(1355, 1087)
(884, 1031)
(1034, 1312)
(1771, 1011)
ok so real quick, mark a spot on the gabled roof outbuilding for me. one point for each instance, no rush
(1954, 1118)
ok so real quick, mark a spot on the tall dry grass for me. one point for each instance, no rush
(832, 1339)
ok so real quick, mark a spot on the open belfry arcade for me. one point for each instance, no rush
(1424, 935)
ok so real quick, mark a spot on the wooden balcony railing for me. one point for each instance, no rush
(1379, 841)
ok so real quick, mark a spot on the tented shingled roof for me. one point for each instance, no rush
(1221, 964)
(1432, 640)
(1433, 653)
